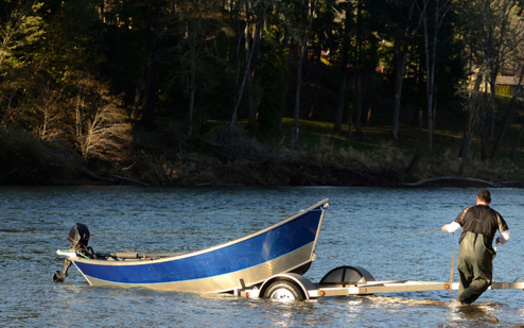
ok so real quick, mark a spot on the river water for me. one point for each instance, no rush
(382, 230)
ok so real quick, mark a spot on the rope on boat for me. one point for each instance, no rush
(82, 255)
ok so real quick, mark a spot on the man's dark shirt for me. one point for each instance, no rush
(481, 219)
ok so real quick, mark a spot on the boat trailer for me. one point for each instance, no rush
(346, 281)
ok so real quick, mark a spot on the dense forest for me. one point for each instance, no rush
(206, 92)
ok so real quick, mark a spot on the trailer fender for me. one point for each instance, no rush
(303, 284)
(344, 276)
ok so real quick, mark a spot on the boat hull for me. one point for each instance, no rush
(287, 246)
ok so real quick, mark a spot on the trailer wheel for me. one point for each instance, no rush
(284, 290)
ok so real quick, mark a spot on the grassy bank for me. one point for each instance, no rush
(222, 156)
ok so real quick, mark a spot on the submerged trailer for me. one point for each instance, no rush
(346, 281)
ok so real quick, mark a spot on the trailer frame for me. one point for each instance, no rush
(359, 282)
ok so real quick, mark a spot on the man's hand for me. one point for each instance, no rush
(451, 227)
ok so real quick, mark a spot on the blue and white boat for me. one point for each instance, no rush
(285, 247)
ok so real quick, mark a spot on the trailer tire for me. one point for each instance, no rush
(284, 290)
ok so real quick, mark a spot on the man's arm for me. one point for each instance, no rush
(504, 237)
(503, 229)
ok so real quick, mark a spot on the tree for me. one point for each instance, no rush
(432, 19)
(21, 30)
(344, 65)
(401, 24)
(299, 28)
(154, 13)
(492, 31)
(192, 50)
(252, 46)
(508, 112)
(271, 79)
(107, 135)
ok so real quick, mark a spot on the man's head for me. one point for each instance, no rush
(484, 196)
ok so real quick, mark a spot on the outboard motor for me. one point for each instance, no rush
(78, 238)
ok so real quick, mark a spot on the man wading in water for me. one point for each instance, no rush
(479, 225)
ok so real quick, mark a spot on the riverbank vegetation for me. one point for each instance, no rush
(221, 93)
(226, 156)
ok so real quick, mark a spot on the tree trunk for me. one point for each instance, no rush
(303, 48)
(400, 66)
(337, 128)
(247, 72)
(139, 92)
(401, 50)
(148, 113)
(294, 138)
(192, 80)
(78, 116)
(252, 79)
(430, 71)
(468, 131)
(358, 104)
(316, 83)
(517, 144)
(483, 111)
(8, 110)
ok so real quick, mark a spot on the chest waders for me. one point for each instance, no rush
(475, 267)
